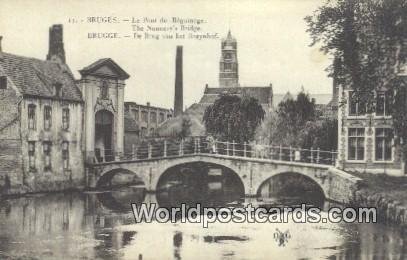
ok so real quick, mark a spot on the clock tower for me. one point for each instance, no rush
(228, 65)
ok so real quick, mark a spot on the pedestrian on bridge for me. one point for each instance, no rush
(211, 144)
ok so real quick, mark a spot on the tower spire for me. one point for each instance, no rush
(228, 65)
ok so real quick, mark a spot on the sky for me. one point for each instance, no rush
(273, 45)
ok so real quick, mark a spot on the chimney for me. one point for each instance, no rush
(56, 44)
(178, 99)
(1, 38)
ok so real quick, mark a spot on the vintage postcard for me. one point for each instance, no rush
(174, 129)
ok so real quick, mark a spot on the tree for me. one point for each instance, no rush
(292, 116)
(321, 134)
(185, 127)
(233, 118)
(368, 39)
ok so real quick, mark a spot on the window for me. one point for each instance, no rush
(356, 144)
(161, 118)
(104, 90)
(65, 118)
(143, 132)
(31, 155)
(31, 116)
(383, 103)
(65, 155)
(47, 117)
(135, 114)
(3, 82)
(144, 116)
(47, 155)
(152, 133)
(228, 56)
(169, 116)
(355, 109)
(228, 66)
(384, 140)
(153, 117)
(57, 89)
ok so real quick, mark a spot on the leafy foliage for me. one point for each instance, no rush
(233, 118)
(368, 39)
(292, 116)
(321, 134)
(295, 124)
(185, 128)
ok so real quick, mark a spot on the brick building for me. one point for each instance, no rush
(141, 121)
(366, 140)
(51, 123)
(229, 79)
(41, 111)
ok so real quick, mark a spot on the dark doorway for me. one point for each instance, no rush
(104, 136)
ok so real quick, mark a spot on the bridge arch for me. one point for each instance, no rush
(120, 200)
(105, 179)
(298, 183)
(335, 184)
(202, 177)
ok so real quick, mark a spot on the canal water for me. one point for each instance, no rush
(100, 225)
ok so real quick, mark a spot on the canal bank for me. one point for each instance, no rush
(386, 193)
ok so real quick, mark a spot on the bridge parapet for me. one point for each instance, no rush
(202, 145)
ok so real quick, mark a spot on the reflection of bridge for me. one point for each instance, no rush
(253, 164)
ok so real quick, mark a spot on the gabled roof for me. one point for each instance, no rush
(34, 77)
(322, 99)
(262, 94)
(96, 69)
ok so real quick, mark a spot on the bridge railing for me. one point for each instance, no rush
(201, 145)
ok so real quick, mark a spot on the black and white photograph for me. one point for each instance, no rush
(229, 129)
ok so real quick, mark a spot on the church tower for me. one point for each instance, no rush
(228, 65)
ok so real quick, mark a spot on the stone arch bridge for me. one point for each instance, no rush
(337, 185)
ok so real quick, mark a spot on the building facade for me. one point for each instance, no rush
(102, 85)
(147, 117)
(142, 121)
(51, 124)
(229, 79)
(41, 111)
(366, 140)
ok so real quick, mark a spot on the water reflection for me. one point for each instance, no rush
(204, 183)
(101, 226)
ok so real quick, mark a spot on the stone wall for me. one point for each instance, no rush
(388, 210)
